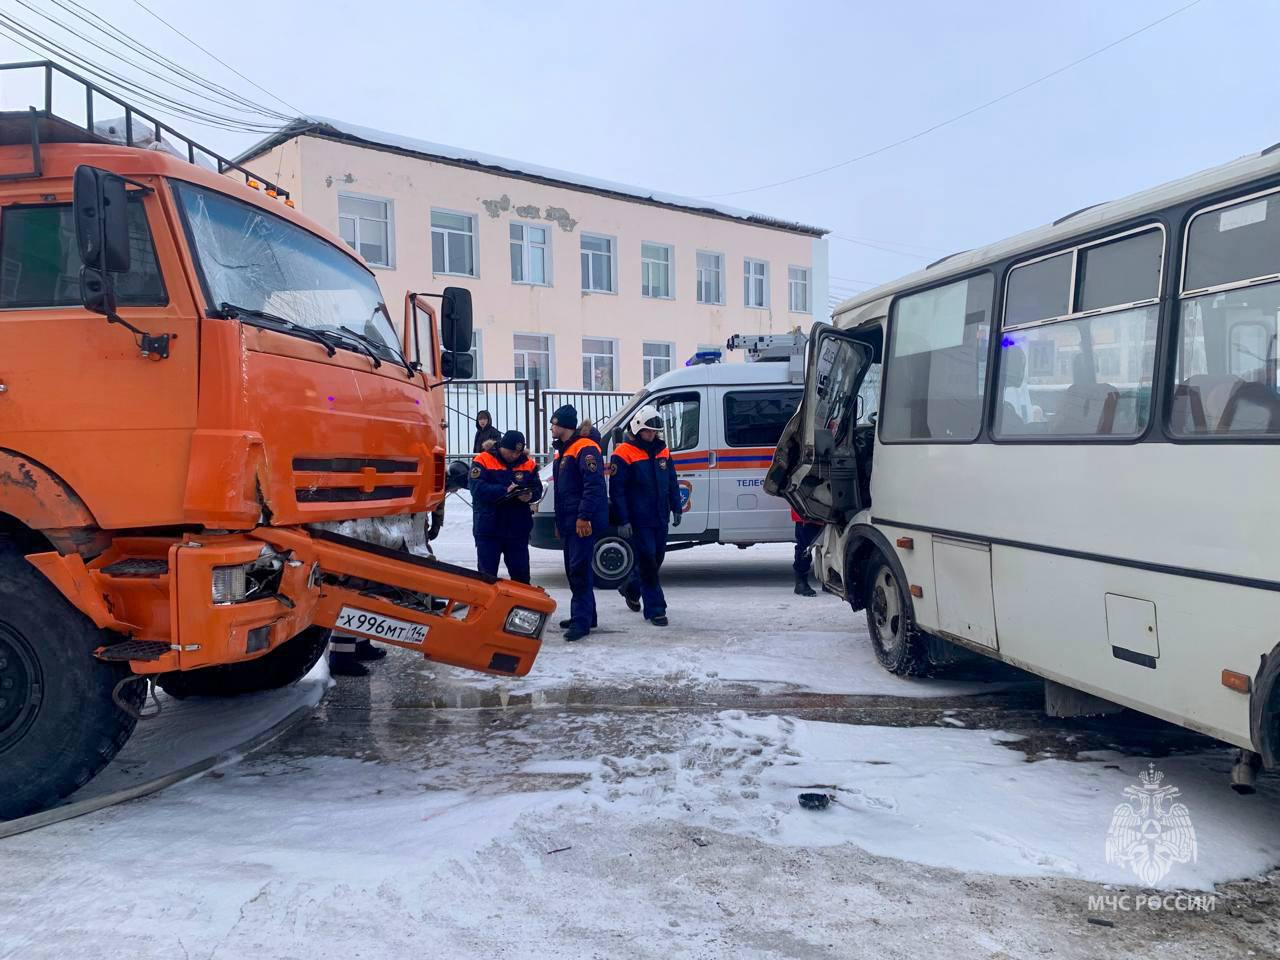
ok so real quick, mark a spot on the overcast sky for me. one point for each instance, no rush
(707, 98)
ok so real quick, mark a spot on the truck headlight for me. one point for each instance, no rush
(239, 582)
(525, 623)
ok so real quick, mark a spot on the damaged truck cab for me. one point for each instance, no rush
(197, 384)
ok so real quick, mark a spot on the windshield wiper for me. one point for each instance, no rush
(231, 312)
(362, 343)
(381, 345)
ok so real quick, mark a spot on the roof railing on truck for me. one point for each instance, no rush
(44, 124)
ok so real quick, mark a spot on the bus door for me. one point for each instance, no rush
(815, 466)
(684, 415)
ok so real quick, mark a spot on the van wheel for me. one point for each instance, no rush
(611, 562)
(58, 723)
(283, 666)
(899, 645)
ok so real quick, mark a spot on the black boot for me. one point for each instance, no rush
(802, 586)
(366, 652)
(632, 598)
(343, 664)
(574, 633)
(659, 621)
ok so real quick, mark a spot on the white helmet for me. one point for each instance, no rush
(646, 418)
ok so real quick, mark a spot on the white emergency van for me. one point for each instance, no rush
(723, 422)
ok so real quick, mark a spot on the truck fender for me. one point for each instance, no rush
(38, 498)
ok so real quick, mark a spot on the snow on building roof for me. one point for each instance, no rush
(380, 139)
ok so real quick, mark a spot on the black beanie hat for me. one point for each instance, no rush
(566, 417)
(512, 440)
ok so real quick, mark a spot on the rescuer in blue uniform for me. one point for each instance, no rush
(643, 493)
(504, 482)
(582, 512)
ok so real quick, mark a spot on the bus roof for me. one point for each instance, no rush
(875, 302)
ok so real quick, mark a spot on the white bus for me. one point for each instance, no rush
(1072, 464)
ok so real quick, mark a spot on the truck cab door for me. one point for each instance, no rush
(815, 467)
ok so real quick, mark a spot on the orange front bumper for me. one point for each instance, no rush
(161, 591)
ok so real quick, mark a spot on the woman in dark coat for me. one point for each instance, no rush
(485, 430)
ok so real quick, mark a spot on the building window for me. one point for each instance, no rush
(453, 243)
(533, 359)
(798, 289)
(710, 278)
(655, 270)
(597, 264)
(365, 224)
(755, 283)
(599, 360)
(657, 360)
(529, 257)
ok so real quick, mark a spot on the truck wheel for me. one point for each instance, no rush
(58, 723)
(899, 645)
(285, 665)
(611, 562)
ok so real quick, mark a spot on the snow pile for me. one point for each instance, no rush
(941, 797)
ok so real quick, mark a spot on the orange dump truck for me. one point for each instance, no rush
(195, 382)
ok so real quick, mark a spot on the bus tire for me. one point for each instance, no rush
(282, 667)
(611, 562)
(59, 725)
(899, 645)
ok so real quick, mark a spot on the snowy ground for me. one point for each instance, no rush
(637, 799)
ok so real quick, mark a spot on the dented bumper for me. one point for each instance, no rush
(170, 599)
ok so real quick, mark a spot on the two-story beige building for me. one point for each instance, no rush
(577, 283)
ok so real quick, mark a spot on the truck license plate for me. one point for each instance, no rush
(375, 625)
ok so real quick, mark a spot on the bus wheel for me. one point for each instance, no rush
(899, 646)
(611, 562)
(59, 725)
(285, 665)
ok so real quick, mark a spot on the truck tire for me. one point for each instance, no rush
(59, 725)
(283, 666)
(899, 645)
(611, 562)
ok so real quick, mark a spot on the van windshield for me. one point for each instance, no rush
(258, 261)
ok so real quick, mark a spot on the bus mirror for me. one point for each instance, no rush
(457, 366)
(455, 320)
(101, 207)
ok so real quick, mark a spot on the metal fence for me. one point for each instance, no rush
(518, 405)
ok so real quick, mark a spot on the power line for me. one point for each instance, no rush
(297, 112)
(877, 246)
(22, 31)
(104, 26)
(152, 73)
(959, 116)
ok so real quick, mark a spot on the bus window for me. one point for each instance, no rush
(680, 416)
(1065, 375)
(1226, 372)
(937, 363)
(1086, 377)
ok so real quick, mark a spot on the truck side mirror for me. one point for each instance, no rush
(455, 320)
(101, 206)
(457, 366)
